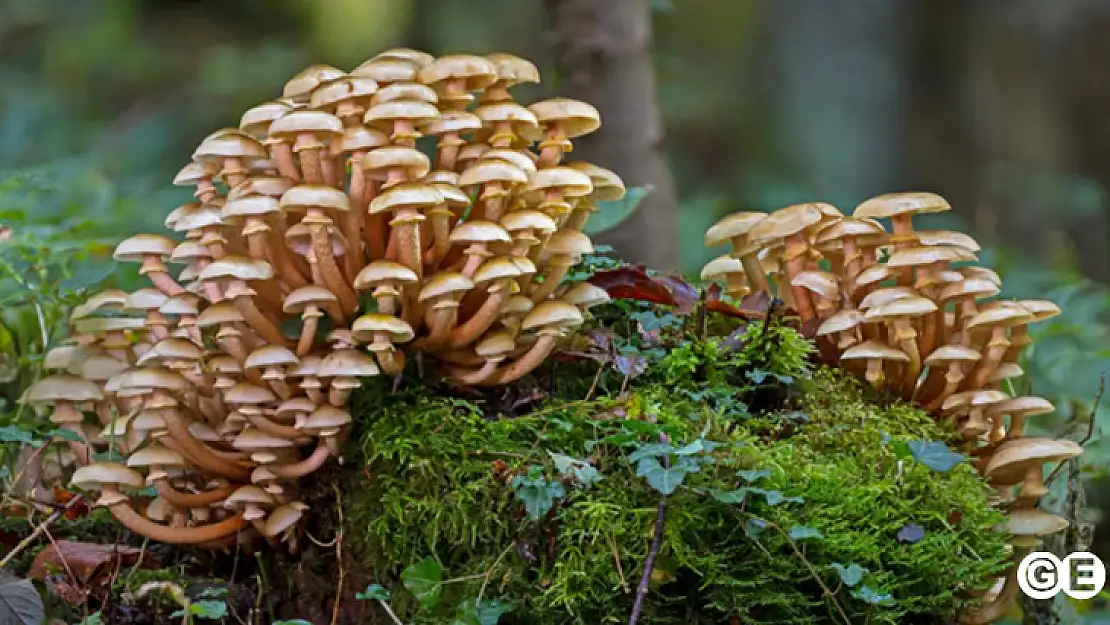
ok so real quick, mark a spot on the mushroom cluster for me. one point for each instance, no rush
(910, 312)
(324, 247)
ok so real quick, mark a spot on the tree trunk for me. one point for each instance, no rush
(602, 50)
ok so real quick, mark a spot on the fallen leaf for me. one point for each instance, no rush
(63, 497)
(685, 295)
(752, 307)
(88, 561)
(633, 282)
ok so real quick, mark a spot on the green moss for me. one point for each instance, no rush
(441, 486)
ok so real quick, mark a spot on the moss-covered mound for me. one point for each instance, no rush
(789, 497)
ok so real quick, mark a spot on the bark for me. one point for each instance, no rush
(602, 51)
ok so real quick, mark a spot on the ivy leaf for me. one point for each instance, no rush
(20, 603)
(488, 612)
(851, 574)
(753, 475)
(16, 434)
(68, 435)
(424, 580)
(374, 592)
(537, 494)
(729, 497)
(803, 532)
(910, 534)
(698, 446)
(935, 455)
(663, 479)
(582, 470)
(775, 497)
(653, 450)
(612, 214)
(754, 527)
(213, 592)
(873, 596)
(210, 609)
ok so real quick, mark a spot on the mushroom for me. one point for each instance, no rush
(735, 228)
(974, 403)
(875, 354)
(381, 331)
(66, 393)
(1019, 408)
(310, 134)
(938, 386)
(320, 204)
(309, 301)
(899, 313)
(731, 271)
(1022, 460)
(562, 119)
(511, 70)
(275, 360)
(996, 319)
(788, 225)
(566, 247)
(344, 367)
(236, 271)
(151, 250)
(900, 209)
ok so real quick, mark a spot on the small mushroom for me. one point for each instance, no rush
(874, 354)
(1022, 460)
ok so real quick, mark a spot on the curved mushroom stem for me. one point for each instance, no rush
(390, 359)
(440, 218)
(796, 258)
(139, 524)
(754, 271)
(282, 261)
(907, 340)
(259, 322)
(282, 154)
(474, 377)
(951, 384)
(200, 453)
(353, 260)
(479, 322)
(338, 396)
(443, 320)
(311, 318)
(1017, 424)
(155, 271)
(551, 280)
(274, 429)
(333, 277)
(527, 363)
(191, 500)
(992, 356)
(304, 467)
(1019, 340)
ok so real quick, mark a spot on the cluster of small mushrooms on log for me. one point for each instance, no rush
(322, 247)
(908, 311)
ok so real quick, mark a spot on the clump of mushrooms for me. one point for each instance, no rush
(905, 310)
(324, 249)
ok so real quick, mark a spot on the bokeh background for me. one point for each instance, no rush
(1002, 106)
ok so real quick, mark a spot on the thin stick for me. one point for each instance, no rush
(389, 611)
(23, 544)
(485, 582)
(338, 557)
(1090, 426)
(645, 579)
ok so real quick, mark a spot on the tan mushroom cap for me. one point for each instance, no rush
(903, 307)
(974, 399)
(528, 220)
(454, 121)
(569, 181)
(849, 227)
(329, 95)
(496, 345)
(497, 268)
(509, 112)
(975, 287)
(946, 237)
(1041, 308)
(519, 158)
(270, 356)
(100, 474)
(585, 295)
(365, 327)
(155, 454)
(144, 300)
(487, 170)
(382, 115)
(720, 267)
(94, 325)
(326, 417)
(172, 349)
(413, 161)
(1027, 405)
(875, 274)
(155, 378)
(947, 354)
(347, 363)
(920, 256)
(823, 283)
(552, 314)
(408, 91)
(894, 204)
(480, 231)
(512, 69)
(608, 186)
(218, 314)
(282, 518)
(61, 387)
(305, 196)
(881, 296)
(444, 283)
(247, 394)
(234, 210)
(111, 299)
(1006, 371)
(984, 273)
(785, 222)
(874, 350)
(573, 243)
(411, 55)
(255, 439)
(248, 494)
(841, 321)
(476, 72)
(195, 172)
(311, 295)
(237, 268)
(308, 79)
(381, 272)
(1028, 525)
(578, 118)
(257, 119)
(406, 195)
(230, 144)
(1008, 463)
(1000, 316)
(138, 247)
(386, 70)
(316, 123)
(731, 226)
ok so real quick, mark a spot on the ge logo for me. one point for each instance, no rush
(1041, 575)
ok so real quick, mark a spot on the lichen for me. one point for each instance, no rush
(818, 458)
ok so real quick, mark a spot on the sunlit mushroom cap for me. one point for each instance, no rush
(984, 273)
(326, 417)
(144, 300)
(248, 494)
(1006, 371)
(881, 296)
(155, 454)
(237, 268)
(383, 114)
(1040, 308)
(608, 186)
(569, 243)
(497, 268)
(894, 204)
(444, 283)
(585, 295)
(841, 321)
(416, 57)
(822, 283)
(552, 314)
(155, 378)
(254, 438)
(487, 170)
(308, 196)
(171, 349)
(347, 363)
(308, 79)
(1009, 462)
(523, 121)
(217, 314)
(874, 350)
(496, 345)
(974, 399)
(785, 222)
(291, 407)
(475, 72)
(195, 172)
(1027, 405)
(920, 256)
(282, 518)
(62, 387)
(1000, 316)
(138, 247)
(849, 227)
(974, 287)
(516, 157)
(731, 226)
(874, 275)
(64, 357)
(311, 295)
(405, 195)
(359, 138)
(1028, 525)
(248, 206)
(946, 237)
(100, 474)
(270, 356)
(569, 181)
(512, 69)
(257, 119)
(518, 305)
(109, 299)
(947, 354)
(479, 231)
(308, 366)
(720, 267)
(387, 70)
(454, 121)
(316, 123)
(245, 393)
(413, 161)
(903, 307)
(383, 271)
(365, 327)
(231, 144)
(410, 91)
(327, 96)
(538, 221)
(577, 118)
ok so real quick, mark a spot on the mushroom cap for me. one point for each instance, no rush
(903, 307)
(308, 79)
(822, 283)
(849, 227)
(384, 271)
(978, 288)
(171, 349)
(326, 417)
(518, 305)
(512, 69)
(101, 368)
(230, 144)
(408, 91)
(730, 226)
(387, 70)
(874, 350)
(528, 220)
(144, 300)
(568, 242)
(523, 121)
(585, 295)
(785, 222)
(608, 186)
(874, 274)
(476, 72)
(343, 363)
(290, 407)
(306, 196)
(245, 393)
(95, 325)
(237, 268)
(984, 273)
(488, 170)
(365, 327)
(920, 256)
(248, 494)
(147, 420)
(359, 138)
(577, 118)
(553, 314)
(480, 231)
(946, 237)
(111, 299)
(62, 387)
(444, 283)
(514, 157)
(1040, 308)
(154, 378)
(155, 454)
(496, 268)
(454, 122)
(1009, 461)
(496, 344)
(99, 474)
(271, 186)
(416, 57)
(255, 438)
(195, 172)
(257, 119)
(136, 248)
(1031, 522)
(282, 518)
(187, 251)
(895, 204)
(883, 295)
(720, 267)
(841, 321)
(224, 364)
(974, 399)
(567, 180)
(328, 95)
(63, 357)
(270, 356)
(947, 354)
(207, 215)
(383, 114)
(1006, 371)
(1026, 405)
(303, 297)
(317, 123)
(245, 206)
(384, 158)
(1000, 316)
(219, 313)
(406, 195)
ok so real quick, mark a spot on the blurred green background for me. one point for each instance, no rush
(1002, 106)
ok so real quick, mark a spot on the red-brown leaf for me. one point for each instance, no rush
(633, 282)
(685, 295)
(88, 561)
(752, 307)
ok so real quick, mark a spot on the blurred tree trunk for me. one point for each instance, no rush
(602, 50)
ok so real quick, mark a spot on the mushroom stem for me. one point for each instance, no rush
(308, 333)
(259, 322)
(282, 154)
(754, 270)
(200, 452)
(951, 384)
(333, 277)
(190, 500)
(479, 322)
(474, 377)
(303, 467)
(139, 524)
(524, 365)
(997, 609)
(551, 280)
(796, 257)
(992, 356)
(875, 373)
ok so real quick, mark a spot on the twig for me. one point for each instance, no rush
(1090, 426)
(23, 544)
(597, 378)
(653, 551)
(489, 573)
(617, 561)
(338, 556)
(389, 611)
